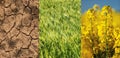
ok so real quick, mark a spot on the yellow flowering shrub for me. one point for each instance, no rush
(100, 33)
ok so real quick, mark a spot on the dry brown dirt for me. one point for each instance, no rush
(19, 28)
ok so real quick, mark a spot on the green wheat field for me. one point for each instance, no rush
(59, 28)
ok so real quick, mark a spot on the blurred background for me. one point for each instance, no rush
(86, 4)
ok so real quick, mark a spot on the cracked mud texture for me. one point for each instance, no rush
(19, 28)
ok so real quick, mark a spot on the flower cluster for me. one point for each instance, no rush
(100, 33)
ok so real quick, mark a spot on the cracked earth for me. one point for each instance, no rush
(19, 28)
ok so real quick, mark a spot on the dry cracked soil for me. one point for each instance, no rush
(19, 28)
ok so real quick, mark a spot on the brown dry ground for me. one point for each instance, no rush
(19, 28)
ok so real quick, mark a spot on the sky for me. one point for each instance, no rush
(86, 4)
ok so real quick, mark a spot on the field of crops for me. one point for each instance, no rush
(100, 33)
(59, 29)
